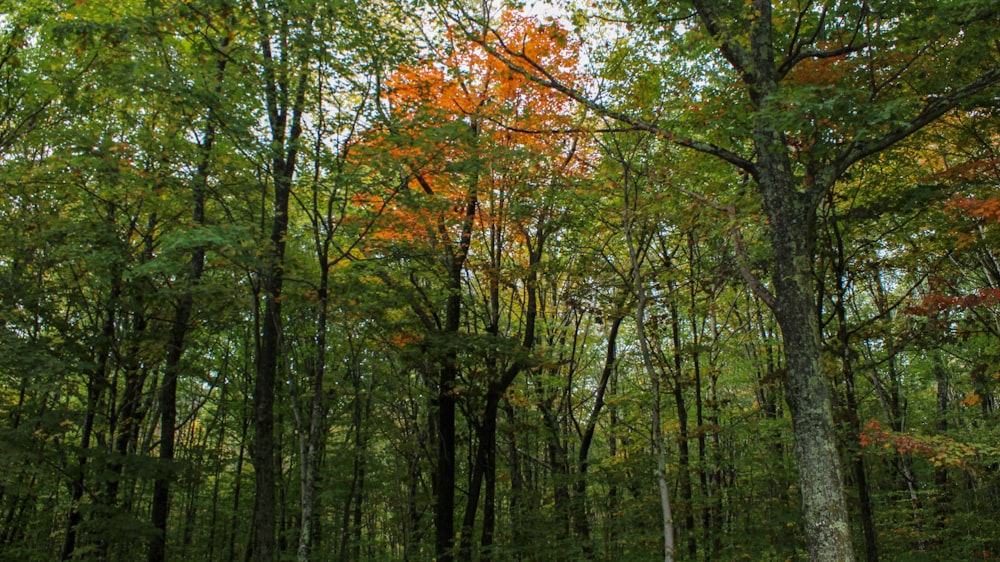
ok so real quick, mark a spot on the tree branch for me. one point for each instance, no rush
(521, 63)
(935, 107)
(731, 50)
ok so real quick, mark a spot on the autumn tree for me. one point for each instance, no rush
(796, 142)
(481, 166)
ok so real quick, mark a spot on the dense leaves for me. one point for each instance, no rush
(334, 281)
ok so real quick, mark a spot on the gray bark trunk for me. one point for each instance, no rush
(807, 392)
(667, 519)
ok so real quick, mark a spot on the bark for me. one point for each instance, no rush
(350, 535)
(825, 515)
(444, 402)
(857, 459)
(96, 385)
(234, 523)
(486, 432)
(580, 515)
(168, 423)
(285, 124)
(711, 535)
(666, 515)
(614, 498)
(312, 442)
(484, 467)
(130, 413)
(746, 39)
(218, 453)
(178, 332)
(517, 482)
(683, 446)
(792, 219)
(264, 384)
(175, 351)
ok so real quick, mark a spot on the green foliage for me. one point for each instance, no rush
(116, 118)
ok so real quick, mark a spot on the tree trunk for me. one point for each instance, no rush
(317, 413)
(486, 432)
(217, 456)
(264, 387)
(444, 403)
(168, 419)
(175, 351)
(484, 468)
(285, 123)
(683, 437)
(854, 423)
(792, 220)
(580, 516)
(517, 485)
(238, 478)
(96, 385)
(656, 429)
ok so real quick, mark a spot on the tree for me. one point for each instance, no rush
(795, 148)
(291, 219)
(474, 140)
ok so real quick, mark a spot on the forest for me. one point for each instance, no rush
(438, 280)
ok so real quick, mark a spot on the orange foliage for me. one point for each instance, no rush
(824, 73)
(939, 303)
(463, 124)
(975, 170)
(985, 209)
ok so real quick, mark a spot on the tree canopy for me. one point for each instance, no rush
(702, 280)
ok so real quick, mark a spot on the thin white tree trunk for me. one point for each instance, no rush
(667, 519)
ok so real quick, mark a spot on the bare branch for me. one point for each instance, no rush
(797, 53)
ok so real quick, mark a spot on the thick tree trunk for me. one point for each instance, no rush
(282, 172)
(284, 117)
(444, 401)
(792, 221)
(263, 393)
(827, 525)
(264, 449)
